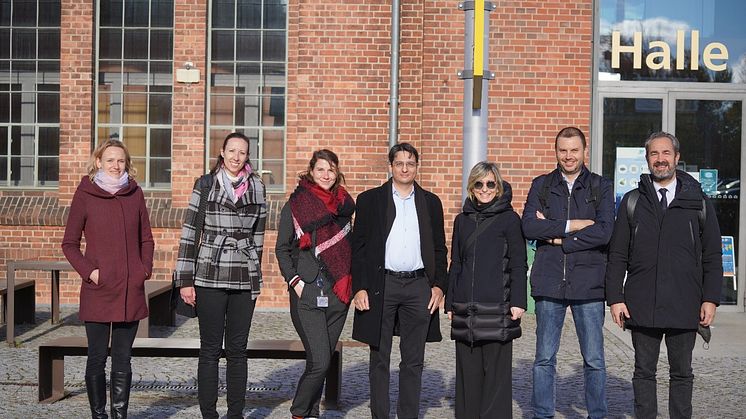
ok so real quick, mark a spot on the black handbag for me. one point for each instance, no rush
(182, 308)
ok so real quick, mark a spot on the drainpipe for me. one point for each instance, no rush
(394, 94)
(476, 77)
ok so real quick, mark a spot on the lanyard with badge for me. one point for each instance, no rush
(322, 300)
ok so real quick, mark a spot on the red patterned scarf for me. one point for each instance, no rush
(329, 215)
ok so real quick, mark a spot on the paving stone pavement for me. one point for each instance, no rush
(166, 388)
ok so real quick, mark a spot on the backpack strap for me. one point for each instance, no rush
(632, 198)
(205, 184)
(479, 230)
(595, 196)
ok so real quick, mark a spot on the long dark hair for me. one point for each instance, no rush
(220, 160)
(332, 159)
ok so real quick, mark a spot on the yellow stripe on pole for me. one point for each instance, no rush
(479, 37)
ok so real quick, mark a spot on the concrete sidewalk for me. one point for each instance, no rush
(166, 388)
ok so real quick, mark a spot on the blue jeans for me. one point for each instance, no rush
(589, 321)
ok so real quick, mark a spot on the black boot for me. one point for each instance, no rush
(120, 394)
(95, 385)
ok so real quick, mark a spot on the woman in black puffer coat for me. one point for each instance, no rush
(487, 295)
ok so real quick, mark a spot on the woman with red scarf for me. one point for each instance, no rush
(314, 253)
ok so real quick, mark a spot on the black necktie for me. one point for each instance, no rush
(664, 198)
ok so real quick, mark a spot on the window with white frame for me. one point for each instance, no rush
(29, 93)
(135, 83)
(247, 52)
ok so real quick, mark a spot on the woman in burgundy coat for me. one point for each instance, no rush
(109, 209)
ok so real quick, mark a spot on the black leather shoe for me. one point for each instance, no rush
(95, 386)
(120, 394)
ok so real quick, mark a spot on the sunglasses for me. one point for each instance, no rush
(490, 184)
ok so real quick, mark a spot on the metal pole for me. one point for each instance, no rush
(394, 95)
(475, 112)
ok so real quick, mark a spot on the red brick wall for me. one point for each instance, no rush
(338, 89)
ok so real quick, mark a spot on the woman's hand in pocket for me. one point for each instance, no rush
(299, 288)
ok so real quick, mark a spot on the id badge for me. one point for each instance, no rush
(322, 301)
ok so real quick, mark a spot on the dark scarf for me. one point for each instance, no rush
(327, 214)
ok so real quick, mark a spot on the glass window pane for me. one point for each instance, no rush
(4, 109)
(24, 13)
(136, 13)
(4, 140)
(23, 108)
(221, 110)
(273, 144)
(135, 43)
(110, 73)
(49, 141)
(136, 73)
(160, 109)
(216, 141)
(222, 74)
(22, 171)
(5, 43)
(110, 44)
(248, 79)
(222, 45)
(247, 45)
(108, 133)
(249, 14)
(134, 137)
(247, 111)
(22, 140)
(49, 12)
(274, 14)
(160, 173)
(162, 13)
(111, 13)
(3, 168)
(49, 43)
(139, 165)
(253, 135)
(273, 111)
(48, 75)
(274, 46)
(24, 43)
(272, 174)
(627, 122)
(161, 76)
(223, 12)
(49, 171)
(4, 13)
(48, 107)
(160, 142)
(161, 45)
(134, 109)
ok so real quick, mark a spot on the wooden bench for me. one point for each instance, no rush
(52, 360)
(157, 296)
(25, 307)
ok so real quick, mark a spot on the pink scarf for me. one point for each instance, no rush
(110, 184)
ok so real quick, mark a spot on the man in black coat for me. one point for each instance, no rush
(570, 214)
(670, 250)
(398, 278)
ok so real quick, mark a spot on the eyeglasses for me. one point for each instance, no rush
(490, 184)
(400, 164)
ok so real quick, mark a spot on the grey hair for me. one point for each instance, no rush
(662, 134)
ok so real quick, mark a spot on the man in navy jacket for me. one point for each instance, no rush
(670, 249)
(570, 214)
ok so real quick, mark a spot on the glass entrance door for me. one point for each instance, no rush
(710, 129)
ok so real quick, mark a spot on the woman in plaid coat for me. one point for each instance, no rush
(222, 277)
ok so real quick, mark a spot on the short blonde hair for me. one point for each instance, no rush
(479, 171)
(99, 151)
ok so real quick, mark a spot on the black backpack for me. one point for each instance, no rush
(634, 196)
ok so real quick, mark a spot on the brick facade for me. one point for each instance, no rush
(337, 94)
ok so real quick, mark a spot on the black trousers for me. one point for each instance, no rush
(122, 337)
(406, 298)
(647, 344)
(223, 313)
(319, 329)
(484, 380)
